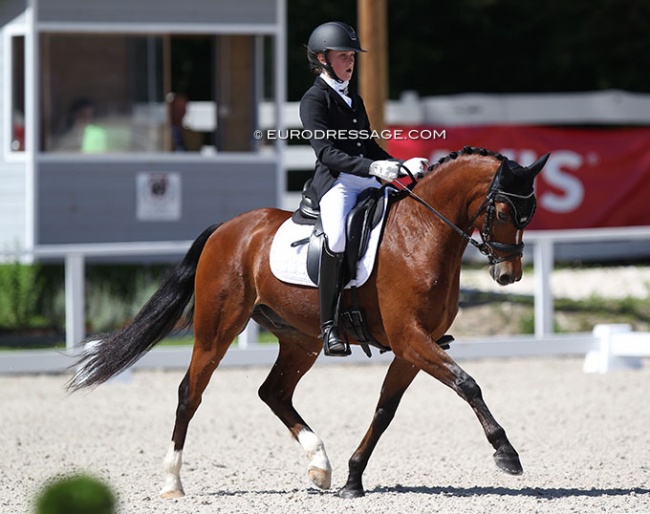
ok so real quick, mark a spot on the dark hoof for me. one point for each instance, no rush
(350, 493)
(508, 461)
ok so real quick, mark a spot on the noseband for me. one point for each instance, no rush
(488, 246)
(522, 208)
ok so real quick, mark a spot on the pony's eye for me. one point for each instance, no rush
(502, 216)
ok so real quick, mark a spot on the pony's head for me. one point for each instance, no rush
(506, 211)
(500, 194)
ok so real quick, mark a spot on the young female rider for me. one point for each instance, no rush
(347, 161)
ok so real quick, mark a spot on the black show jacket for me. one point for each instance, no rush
(350, 150)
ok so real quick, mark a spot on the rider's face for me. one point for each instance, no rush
(342, 63)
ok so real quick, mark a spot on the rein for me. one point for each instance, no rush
(486, 246)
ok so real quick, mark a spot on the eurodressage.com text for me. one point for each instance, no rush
(339, 135)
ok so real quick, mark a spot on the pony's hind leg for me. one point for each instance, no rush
(399, 377)
(190, 393)
(297, 355)
(173, 487)
(212, 338)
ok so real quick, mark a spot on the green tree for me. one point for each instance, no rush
(495, 46)
(19, 293)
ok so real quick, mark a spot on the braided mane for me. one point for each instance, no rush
(467, 150)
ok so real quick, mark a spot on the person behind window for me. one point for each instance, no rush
(177, 111)
(83, 134)
(18, 137)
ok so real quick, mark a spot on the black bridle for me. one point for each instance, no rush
(487, 246)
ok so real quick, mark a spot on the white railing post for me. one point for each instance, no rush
(543, 263)
(250, 336)
(75, 322)
(608, 357)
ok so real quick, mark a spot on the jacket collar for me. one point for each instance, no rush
(319, 82)
(338, 86)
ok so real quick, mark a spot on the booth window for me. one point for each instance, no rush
(151, 93)
(17, 94)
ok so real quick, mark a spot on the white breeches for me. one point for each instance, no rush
(337, 203)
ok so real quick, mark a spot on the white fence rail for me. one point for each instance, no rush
(607, 347)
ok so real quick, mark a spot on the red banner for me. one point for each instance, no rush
(594, 177)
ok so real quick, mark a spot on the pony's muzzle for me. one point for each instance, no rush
(504, 273)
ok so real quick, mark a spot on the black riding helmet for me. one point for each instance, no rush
(333, 35)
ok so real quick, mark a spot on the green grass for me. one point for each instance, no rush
(569, 315)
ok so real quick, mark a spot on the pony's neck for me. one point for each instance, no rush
(456, 187)
(420, 241)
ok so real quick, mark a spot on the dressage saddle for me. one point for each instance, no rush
(361, 220)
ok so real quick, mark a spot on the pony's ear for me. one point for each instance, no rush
(537, 166)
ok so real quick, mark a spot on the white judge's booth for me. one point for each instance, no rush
(134, 121)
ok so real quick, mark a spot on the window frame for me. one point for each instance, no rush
(257, 42)
(9, 36)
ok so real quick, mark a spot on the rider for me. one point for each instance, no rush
(345, 165)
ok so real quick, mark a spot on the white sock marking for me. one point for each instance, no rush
(172, 467)
(315, 450)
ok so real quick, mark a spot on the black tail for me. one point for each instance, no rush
(105, 357)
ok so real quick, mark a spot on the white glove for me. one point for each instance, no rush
(385, 170)
(419, 166)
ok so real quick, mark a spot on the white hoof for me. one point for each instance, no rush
(172, 465)
(319, 468)
(321, 478)
(178, 493)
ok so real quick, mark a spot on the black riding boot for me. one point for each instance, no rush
(329, 289)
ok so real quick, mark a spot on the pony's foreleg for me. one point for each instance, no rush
(398, 378)
(445, 369)
(505, 456)
(277, 391)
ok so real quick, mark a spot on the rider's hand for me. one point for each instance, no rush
(419, 166)
(385, 170)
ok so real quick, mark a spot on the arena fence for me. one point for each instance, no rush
(606, 348)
